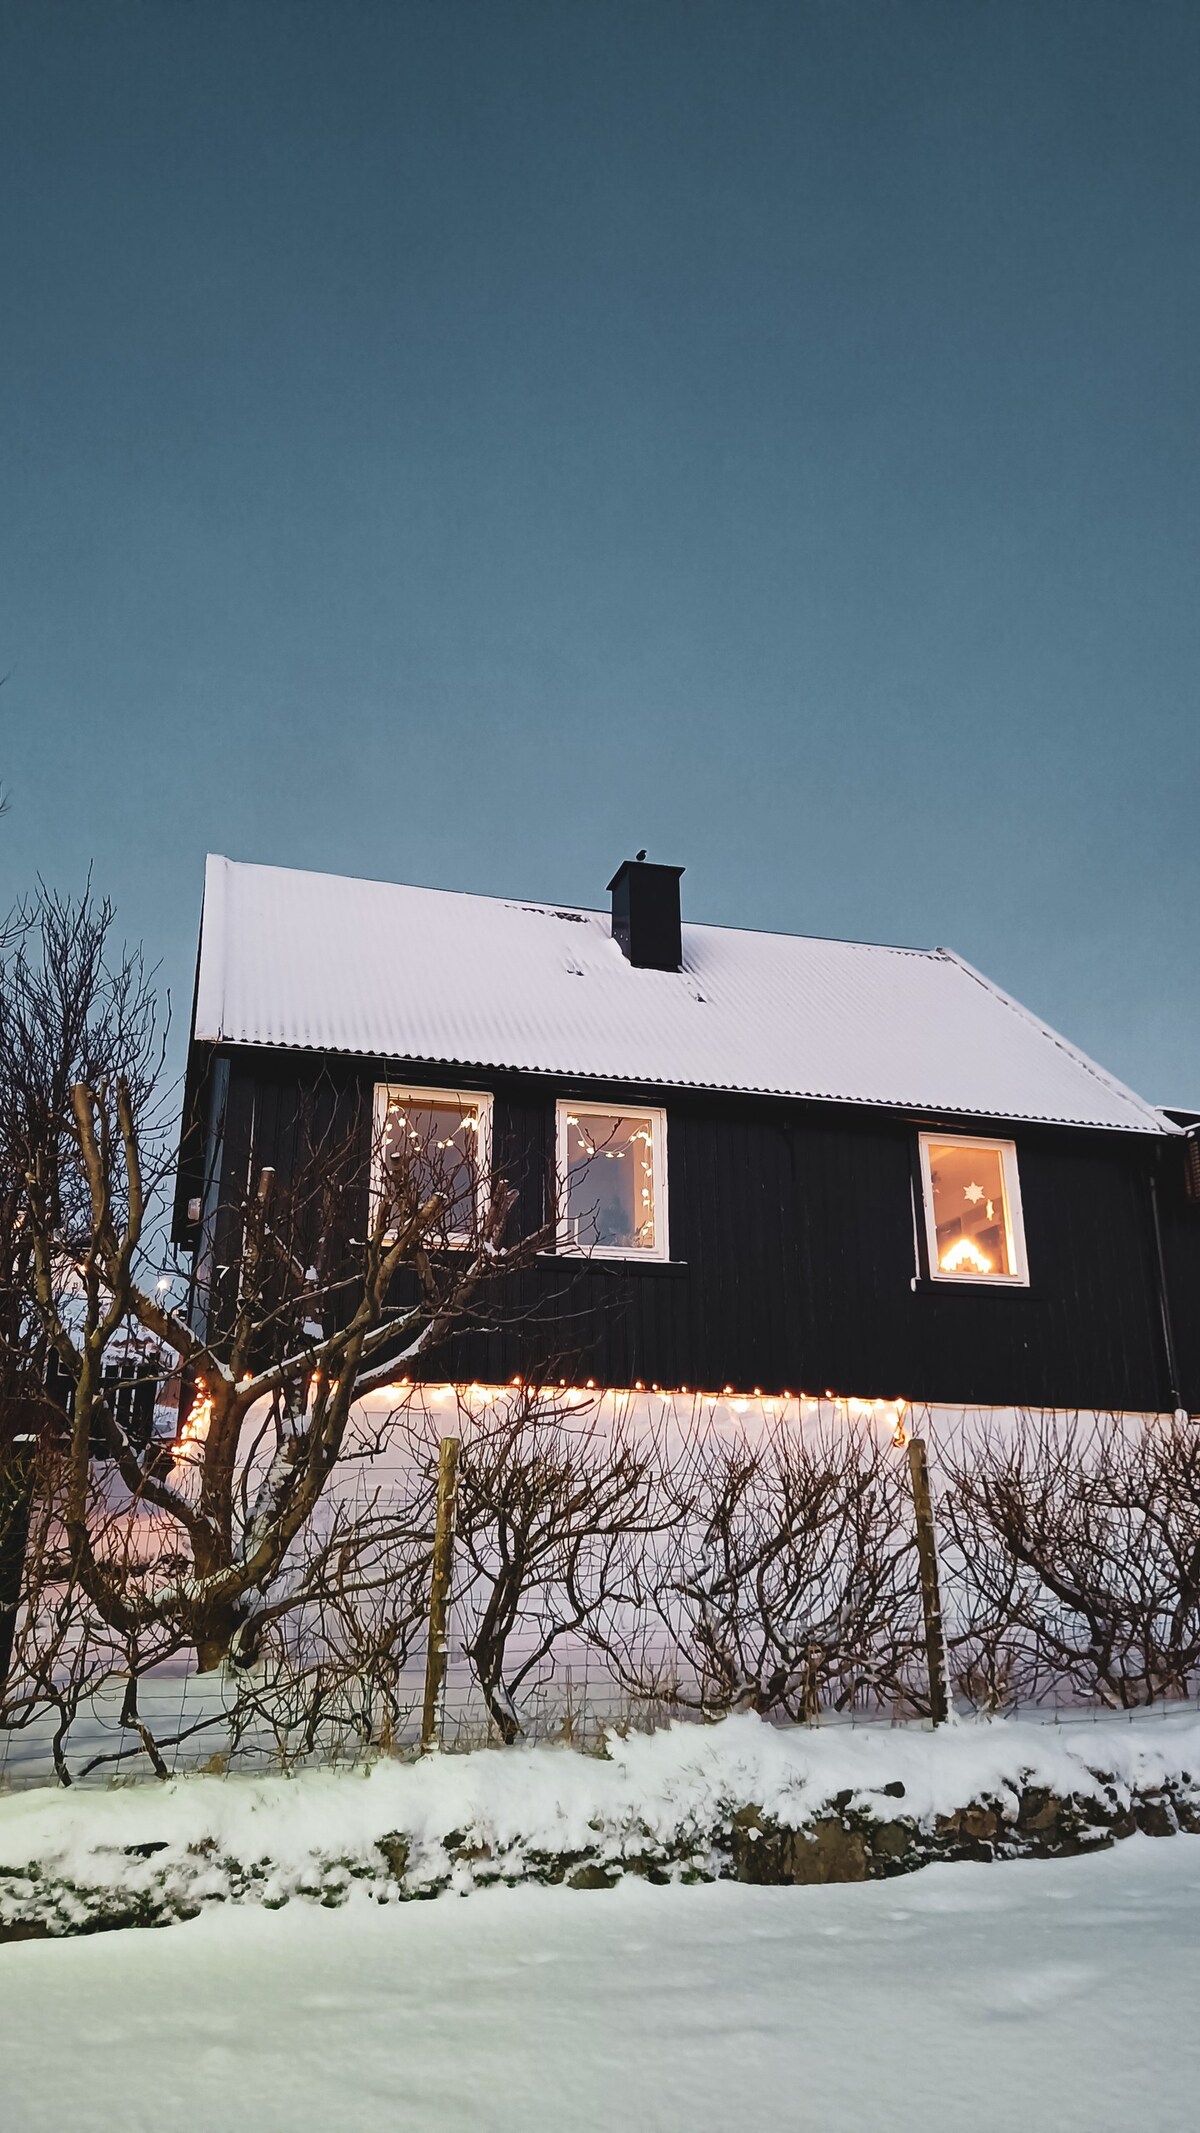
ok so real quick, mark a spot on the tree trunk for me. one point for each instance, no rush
(16, 1496)
(214, 1640)
(22, 1423)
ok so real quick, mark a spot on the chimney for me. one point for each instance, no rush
(645, 914)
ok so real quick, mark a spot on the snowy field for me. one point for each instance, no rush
(1031, 1997)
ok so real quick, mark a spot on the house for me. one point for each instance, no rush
(774, 1162)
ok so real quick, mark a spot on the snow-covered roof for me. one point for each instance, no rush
(324, 962)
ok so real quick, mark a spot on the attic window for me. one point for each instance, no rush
(612, 1168)
(972, 1195)
(433, 1141)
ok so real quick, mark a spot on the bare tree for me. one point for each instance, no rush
(72, 1007)
(353, 1269)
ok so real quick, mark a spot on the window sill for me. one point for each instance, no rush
(923, 1285)
(633, 1263)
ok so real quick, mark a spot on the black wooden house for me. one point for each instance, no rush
(774, 1162)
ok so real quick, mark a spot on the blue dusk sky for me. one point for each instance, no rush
(465, 442)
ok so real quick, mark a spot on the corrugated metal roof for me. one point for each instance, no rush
(324, 962)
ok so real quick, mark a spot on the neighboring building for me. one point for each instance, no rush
(790, 1163)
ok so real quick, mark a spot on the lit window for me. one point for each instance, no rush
(612, 1168)
(433, 1141)
(972, 1210)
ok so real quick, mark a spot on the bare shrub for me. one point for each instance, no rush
(63, 1652)
(786, 1581)
(1075, 1544)
(554, 1512)
(324, 1667)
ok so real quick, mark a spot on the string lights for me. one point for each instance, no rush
(434, 1145)
(614, 1138)
(888, 1413)
(194, 1427)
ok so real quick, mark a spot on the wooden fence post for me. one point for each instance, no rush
(931, 1599)
(439, 1592)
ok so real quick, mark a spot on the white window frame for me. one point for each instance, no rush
(478, 1100)
(1014, 1221)
(566, 1108)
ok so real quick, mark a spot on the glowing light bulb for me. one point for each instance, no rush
(965, 1253)
(195, 1423)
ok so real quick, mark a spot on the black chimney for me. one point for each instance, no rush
(645, 914)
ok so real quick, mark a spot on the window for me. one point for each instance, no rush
(433, 1141)
(972, 1210)
(612, 1168)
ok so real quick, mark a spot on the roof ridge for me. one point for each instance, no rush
(549, 905)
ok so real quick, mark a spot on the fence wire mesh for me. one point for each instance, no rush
(628, 1560)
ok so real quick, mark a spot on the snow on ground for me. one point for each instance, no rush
(495, 1812)
(679, 1783)
(1023, 1998)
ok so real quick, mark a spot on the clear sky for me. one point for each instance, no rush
(466, 442)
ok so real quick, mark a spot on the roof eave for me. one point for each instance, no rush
(1152, 1124)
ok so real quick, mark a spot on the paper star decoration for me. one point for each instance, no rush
(973, 1193)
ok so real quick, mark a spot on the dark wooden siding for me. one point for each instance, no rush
(791, 1232)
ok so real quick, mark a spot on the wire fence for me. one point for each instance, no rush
(622, 1561)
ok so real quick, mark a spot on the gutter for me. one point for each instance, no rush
(1164, 1304)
